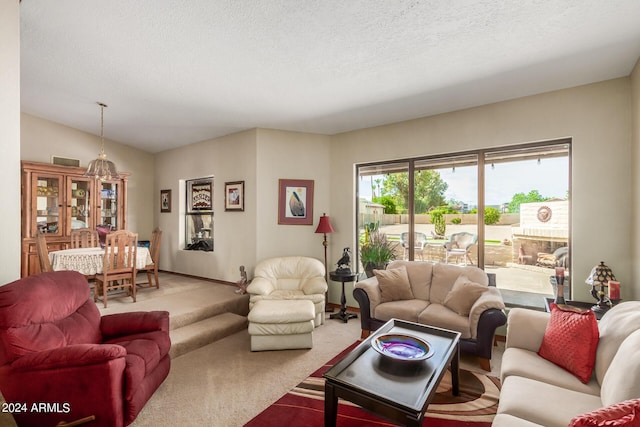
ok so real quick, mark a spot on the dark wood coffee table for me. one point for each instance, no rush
(398, 390)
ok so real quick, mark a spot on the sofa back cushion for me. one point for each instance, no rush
(419, 273)
(445, 275)
(615, 326)
(394, 284)
(46, 311)
(463, 295)
(622, 379)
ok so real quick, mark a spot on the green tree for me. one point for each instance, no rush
(429, 189)
(388, 202)
(519, 198)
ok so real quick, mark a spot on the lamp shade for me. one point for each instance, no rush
(600, 275)
(324, 226)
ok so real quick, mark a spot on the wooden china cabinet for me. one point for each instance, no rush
(57, 199)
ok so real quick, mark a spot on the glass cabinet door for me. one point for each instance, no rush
(47, 200)
(109, 211)
(79, 207)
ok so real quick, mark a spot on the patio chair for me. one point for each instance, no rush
(459, 245)
(419, 242)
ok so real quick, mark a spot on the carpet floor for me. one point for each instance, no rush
(225, 384)
(303, 405)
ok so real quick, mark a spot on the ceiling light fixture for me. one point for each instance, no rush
(101, 168)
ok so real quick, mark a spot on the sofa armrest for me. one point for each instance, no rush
(122, 324)
(69, 356)
(526, 328)
(490, 320)
(314, 285)
(260, 286)
(490, 298)
(372, 289)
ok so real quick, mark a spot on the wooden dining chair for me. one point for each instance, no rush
(84, 238)
(119, 265)
(43, 252)
(152, 269)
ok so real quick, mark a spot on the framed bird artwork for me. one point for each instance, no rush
(295, 202)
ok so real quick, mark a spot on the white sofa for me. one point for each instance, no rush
(290, 278)
(430, 285)
(536, 392)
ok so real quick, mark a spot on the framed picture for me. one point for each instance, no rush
(165, 200)
(200, 195)
(295, 202)
(234, 196)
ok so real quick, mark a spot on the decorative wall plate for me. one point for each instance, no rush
(544, 213)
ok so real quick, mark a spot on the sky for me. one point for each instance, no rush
(550, 178)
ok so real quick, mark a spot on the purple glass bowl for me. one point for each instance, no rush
(402, 347)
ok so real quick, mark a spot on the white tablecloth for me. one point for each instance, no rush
(88, 261)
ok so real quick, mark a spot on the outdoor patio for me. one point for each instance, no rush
(522, 284)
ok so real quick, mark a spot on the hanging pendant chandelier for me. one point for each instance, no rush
(101, 168)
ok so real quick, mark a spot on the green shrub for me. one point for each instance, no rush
(456, 220)
(437, 219)
(491, 215)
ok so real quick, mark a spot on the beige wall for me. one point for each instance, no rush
(634, 206)
(10, 140)
(41, 139)
(290, 155)
(229, 158)
(597, 117)
(259, 157)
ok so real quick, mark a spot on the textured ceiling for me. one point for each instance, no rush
(174, 72)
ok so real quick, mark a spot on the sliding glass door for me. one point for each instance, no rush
(529, 189)
(505, 210)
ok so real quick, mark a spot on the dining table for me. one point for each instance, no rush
(89, 261)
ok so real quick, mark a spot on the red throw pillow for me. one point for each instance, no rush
(625, 413)
(571, 339)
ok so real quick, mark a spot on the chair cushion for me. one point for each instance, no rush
(463, 295)
(625, 413)
(144, 352)
(282, 311)
(394, 284)
(571, 340)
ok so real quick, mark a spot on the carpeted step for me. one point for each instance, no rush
(193, 306)
(194, 335)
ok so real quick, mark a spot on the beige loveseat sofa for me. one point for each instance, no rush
(431, 284)
(536, 392)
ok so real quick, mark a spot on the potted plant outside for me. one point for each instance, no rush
(376, 252)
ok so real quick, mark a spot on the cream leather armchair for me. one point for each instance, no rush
(290, 278)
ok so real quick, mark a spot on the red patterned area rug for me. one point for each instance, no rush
(304, 405)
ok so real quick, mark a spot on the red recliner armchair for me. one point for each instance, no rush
(61, 361)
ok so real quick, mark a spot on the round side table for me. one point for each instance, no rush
(342, 314)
